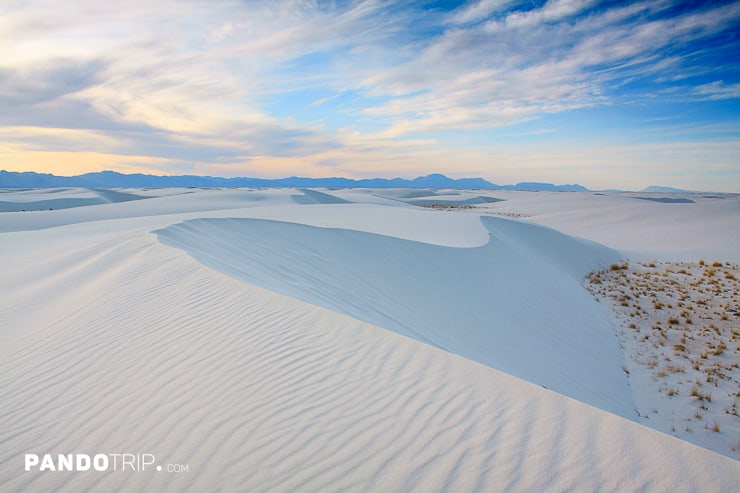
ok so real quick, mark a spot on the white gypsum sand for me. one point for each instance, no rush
(115, 342)
(705, 227)
(514, 304)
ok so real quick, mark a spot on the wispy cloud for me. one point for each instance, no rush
(718, 90)
(221, 82)
(479, 10)
(559, 57)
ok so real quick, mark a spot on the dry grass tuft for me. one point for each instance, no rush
(678, 322)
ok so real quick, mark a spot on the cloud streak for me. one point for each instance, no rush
(368, 86)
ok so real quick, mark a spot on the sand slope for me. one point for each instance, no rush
(515, 304)
(113, 342)
(256, 391)
(60, 198)
(708, 226)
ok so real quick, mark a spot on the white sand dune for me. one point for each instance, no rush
(315, 197)
(162, 202)
(709, 227)
(61, 198)
(515, 304)
(112, 342)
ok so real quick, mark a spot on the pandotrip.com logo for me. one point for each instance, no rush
(123, 462)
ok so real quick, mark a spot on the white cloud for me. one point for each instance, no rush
(529, 63)
(199, 67)
(479, 10)
(718, 90)
(206, 74)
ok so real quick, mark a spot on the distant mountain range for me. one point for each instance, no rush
(660, 189)
(112, 179)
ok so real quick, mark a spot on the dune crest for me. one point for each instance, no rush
(113, 342)
(515, 304)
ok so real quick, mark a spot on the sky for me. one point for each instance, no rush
(610, 94)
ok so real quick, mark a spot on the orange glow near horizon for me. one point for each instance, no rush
(78, 163)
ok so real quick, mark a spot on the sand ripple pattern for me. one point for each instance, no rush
(147, 351)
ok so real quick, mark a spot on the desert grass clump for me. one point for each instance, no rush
(681, 318)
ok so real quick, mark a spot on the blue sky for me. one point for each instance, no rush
(614, 94)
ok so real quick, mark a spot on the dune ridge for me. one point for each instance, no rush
(112, 342)
(515, 304)
(262, 392)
